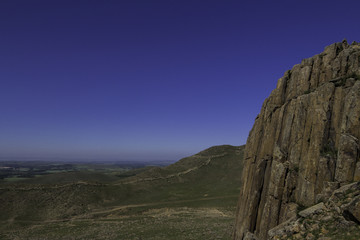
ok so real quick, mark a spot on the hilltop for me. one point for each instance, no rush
(204, 186)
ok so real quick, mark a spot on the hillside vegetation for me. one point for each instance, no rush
(193, 198)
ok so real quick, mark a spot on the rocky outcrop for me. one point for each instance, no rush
(305, 141)
(337, 218)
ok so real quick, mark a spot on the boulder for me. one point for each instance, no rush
(318, 208)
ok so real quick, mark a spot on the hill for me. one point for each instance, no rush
(210, 173)
(204, 186)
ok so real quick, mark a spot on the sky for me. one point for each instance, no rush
(149, 79)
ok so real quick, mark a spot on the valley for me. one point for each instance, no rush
(194, 198)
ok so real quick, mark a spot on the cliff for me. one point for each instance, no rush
(305, 141)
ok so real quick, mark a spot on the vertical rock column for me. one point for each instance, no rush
(304, 141)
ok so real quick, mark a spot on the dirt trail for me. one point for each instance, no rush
(209, 158)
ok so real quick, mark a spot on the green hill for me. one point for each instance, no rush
(208, 179)
(212, 172)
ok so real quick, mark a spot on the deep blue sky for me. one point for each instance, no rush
(149, 79)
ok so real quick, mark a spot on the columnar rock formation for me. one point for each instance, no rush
(305, 141)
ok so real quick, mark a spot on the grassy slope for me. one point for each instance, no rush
(217, 178)
(212, 183)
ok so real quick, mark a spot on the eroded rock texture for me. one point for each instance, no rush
(336, 218)
(305, 141)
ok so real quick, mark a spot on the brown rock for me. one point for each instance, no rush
(310, 236)
(312, 210)
(352, 210)
(298, 236)
(305, 141)
(250, 236)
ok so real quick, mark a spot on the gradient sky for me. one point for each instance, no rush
(150, 79)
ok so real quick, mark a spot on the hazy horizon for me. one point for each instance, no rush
(149, 80)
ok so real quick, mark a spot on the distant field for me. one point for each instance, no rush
(194, 198)
(14, 171)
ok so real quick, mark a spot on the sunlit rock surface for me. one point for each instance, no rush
(305, 141)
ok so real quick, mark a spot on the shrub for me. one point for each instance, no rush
(328, 150)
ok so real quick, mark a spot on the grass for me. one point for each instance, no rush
(328, 150)
(337, 231)
(177, 223)
(197, 204)
(15, 179)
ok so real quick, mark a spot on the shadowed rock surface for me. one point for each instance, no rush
(304, 143)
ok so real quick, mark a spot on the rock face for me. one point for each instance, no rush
(337, 218)
(305, 141)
